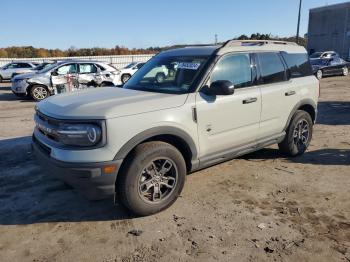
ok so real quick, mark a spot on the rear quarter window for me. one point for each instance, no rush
(298, 64)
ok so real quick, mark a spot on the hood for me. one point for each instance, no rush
(24, 76)
(108, 102)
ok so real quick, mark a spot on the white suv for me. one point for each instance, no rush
(139, 142)
(129, 70)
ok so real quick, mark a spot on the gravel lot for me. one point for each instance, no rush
(260, 207)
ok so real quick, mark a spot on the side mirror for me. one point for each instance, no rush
(219, 88)
(54, 73)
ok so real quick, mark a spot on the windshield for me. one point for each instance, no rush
(316, 55)
(41, 66)
(48, 68)
(172, 75)
(130, 65)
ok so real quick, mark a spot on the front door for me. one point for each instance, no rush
(232, 121)
(65, 78)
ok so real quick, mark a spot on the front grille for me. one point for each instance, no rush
(47, 126)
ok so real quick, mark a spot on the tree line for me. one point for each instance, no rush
(258, 36)
(32, 52)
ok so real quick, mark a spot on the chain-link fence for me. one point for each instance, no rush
(118, 61)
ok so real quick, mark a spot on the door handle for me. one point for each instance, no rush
(290, 93)
(250, 100)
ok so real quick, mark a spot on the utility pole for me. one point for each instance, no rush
(298, 27)
(216, 39)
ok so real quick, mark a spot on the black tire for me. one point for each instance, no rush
(132, 180)
(104, 84)
(296, 142)
(125, 78)
(39, 92)
(160, 77)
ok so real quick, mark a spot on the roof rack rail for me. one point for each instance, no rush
(256, 43)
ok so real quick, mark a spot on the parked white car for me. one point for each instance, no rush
(9, 70)
(215, 103)
(129, 70)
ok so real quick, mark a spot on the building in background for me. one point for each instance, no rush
(329, 29)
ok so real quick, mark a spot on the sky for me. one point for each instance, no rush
(145, 23)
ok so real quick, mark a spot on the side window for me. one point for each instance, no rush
(24, 65)
(67, 69)
(87, 69)
(271, 68)
(12, 66)
(139, 65)
(100, 67)
(298, 64)
(234, 68)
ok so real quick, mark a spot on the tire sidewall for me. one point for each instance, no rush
(142, 158)
(125, 75)
(299, 115)
(32, 91)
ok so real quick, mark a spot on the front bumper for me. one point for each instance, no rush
(19, 87)
(87, 178)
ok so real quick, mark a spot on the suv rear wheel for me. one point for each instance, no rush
(38, 92)
(153, 178)
(299, 134)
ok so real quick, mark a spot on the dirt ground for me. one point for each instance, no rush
(260, 207)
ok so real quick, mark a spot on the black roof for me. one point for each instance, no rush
(191, 51)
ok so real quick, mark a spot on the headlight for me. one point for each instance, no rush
(80, 134)
(115, 72)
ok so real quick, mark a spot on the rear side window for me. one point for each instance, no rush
(271, 68)
(87, 69)
(24, 65)
(298, 64)
(234, 68)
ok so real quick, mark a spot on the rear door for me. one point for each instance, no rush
(279, 94)
(88, 75)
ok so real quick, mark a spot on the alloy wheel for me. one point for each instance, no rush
(158, 180)
(39, 93)
(301, 134)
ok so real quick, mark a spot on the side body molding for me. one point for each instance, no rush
(158, 131)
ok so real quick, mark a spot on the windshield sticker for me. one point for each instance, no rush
(190, 66)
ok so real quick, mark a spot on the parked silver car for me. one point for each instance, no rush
(10, 69)
(64, 76)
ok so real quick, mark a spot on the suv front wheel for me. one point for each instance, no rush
(153, 179)
(38, 92)
(298, 134)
